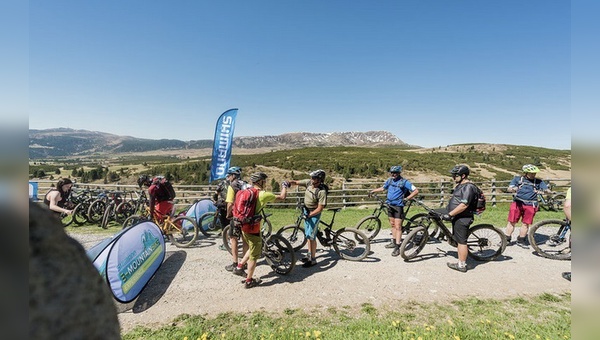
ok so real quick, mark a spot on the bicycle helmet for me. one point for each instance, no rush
(144, 180)
(396, 169)
(460, 169)
(320, 174)
(530, 168)
(257, 177)
(235, 170)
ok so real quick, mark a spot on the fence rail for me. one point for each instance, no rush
(351, 193)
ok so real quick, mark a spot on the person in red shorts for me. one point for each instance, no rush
(525, 203)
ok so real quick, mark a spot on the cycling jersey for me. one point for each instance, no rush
(397, 189)
(526, 189)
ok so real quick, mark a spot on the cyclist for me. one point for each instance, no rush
(315, 200)
(460, 209)
(57, 199)
(161, 199)
(525, 204)
(399, 190)
(233, 183)
(567, 210)
(251, 232)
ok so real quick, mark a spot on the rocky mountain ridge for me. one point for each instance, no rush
(65, 142)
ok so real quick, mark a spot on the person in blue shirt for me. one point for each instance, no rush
(399, 190)
(525, 203)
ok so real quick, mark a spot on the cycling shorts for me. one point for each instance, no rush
(311, 227)
(254, 242)
(395, 211)
(519, 210)
(460, 229)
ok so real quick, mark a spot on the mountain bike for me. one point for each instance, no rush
(181, 230)
(552, 202)
(371, 225)
(212, 220)
(276, 250)
(133, 206)
(484, 241)
(349, 243)
(551, 239)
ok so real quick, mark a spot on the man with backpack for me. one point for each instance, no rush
(161, 195)
(315, 200)
(461, 208)
(399, 190)
(232, 184)
(525, 203)
(246, 212)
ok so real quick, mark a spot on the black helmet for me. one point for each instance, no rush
(257, 176)
(144, 180)
(320, 174)
(460, 169)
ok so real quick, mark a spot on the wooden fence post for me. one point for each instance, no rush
(441, 192)
(493, 190)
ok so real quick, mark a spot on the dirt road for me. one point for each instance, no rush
(194, 281)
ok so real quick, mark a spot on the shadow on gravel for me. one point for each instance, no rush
(158, 285)
(326, 259)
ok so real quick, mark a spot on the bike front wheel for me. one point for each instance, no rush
(227, 242)
(80, 214)
(557, 202)
(370, 226)
(96, 211)
(182, 231)
(294, 235)
(279, 254)
(414, 242)
(551, 239)
(107, 216)
(351, 244)
(133, 220)
(423, 220)
(485, 242)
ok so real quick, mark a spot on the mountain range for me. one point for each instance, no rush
(65, 142)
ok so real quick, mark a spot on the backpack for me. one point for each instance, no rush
(244, 206)
(165, 190)
(481, 201)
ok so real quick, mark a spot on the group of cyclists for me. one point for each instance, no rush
(459, 211)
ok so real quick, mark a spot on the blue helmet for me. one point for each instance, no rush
(235, 170)
(396, 168)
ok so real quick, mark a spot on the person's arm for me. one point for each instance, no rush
(283, 194)
(317, 211)
(54, 199)
(380, 189)
(412, 194)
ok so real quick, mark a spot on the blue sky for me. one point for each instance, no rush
(430, 72)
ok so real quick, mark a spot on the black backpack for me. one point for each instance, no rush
(165, 190)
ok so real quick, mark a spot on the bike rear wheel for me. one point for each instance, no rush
(351, 244)
(370, 226)
(557, 202)
(96, 211)
(414, 242)
(279, 254)
(182, 231)
(549, 239)
(107, 217)
(294, 235)
(124, 210)
(485, 242)
(80, 214)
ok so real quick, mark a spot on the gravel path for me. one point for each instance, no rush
(194, 281)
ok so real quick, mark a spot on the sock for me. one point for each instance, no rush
(249, 280)
(462, 264)
(240, 266)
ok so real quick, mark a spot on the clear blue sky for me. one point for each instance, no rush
(430, 72)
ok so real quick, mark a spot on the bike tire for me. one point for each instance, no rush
(557, 202)
(66, 219)
(182, 232)
(124, 210)
(370, 226)
(227, 242)
(485, 242)
(351, 244)
(266, 228)
(133, 220)
(540, 235)
(80, 214)
(414, 242)
(107, 217)
(294, 235)
(206, 223)
(279, 254)
(96, 211)
(423, 220)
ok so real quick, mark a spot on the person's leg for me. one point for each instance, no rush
(310, 230)
(514, 214)
(529, 212)
(253, 254)
(460, 230)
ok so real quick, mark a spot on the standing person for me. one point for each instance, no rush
(57, 198)
(251, 232)
(235, 183)
(525, 203)
(398, 189)
(461, 208)
(161, 195)
(315, 200)
(567, 210)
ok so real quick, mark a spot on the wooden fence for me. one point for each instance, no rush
(351, 193)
